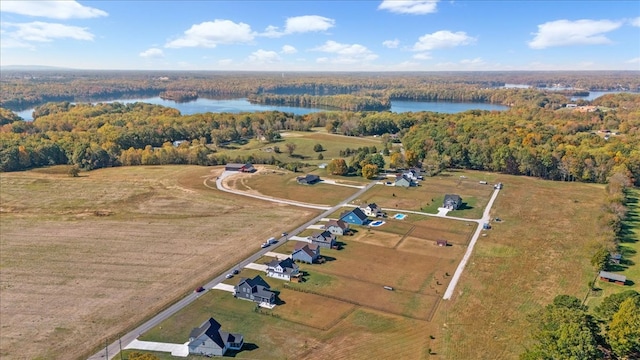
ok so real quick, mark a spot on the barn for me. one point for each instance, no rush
(611, 277)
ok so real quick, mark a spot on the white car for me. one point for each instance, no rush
(229, 276)
(264, 245)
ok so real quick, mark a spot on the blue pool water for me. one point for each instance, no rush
(377, 223)
(399, 216)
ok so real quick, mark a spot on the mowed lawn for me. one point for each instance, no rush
(304, 143)
(84, 259)
(282, 184)
(541, 249)
(429, 195)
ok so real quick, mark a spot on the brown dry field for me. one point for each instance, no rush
(282, 184)
(81, 256)
(311, 310)
(541, 249)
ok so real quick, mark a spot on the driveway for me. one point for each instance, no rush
(224, 287)
(181, 350)
(254, 266)
(277, 255)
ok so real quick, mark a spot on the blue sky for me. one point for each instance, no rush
(362, 35)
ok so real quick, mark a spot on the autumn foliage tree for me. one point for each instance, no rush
(338, 167)
(370, 171)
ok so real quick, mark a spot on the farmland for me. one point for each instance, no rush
(81, 256)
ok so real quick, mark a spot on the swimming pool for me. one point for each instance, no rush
(399, 216)
(377, 223)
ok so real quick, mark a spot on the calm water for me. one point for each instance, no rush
(202, 105)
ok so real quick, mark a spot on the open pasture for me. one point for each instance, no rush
(282, 184)
(81, 256)
(430, 194)
(541, 248)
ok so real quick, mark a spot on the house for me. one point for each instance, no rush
(304, 252)
(323, 239)
(256, 290)
(178, 143)
(283, 269)
(403, 181)
(210, 340)
(355, 216)
(412, 174)
(611, 277)
(337, 227)
(240, 167)
(373, 210)
(308, 179)
(452, 202)
(498, 186)
(616, 258)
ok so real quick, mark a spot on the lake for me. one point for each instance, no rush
(202, 105)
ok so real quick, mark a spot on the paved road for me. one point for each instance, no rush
(486, 218)
(112, 350)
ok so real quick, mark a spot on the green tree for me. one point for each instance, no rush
(369, 171)
(74, 171)
(291, 147)
(600, 259)
(611, 304)
(320, 156)
(564, 330)
(318, 148)
(624, 331)
(337, 167)
(396, 160)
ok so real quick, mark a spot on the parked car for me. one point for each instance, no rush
(198, 289)
(229, 276)
(285, 234)
(236, 272)
(264, 245)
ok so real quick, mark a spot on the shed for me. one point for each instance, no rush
(611, 277)
(442, 242)
(616, 258)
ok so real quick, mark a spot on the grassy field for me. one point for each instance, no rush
(81, 256)
(282, 184)
(304, 142)
(429, 195)
(541, 249)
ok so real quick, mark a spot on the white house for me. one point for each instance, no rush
(283, 269)
(373, 210)
(337, 227)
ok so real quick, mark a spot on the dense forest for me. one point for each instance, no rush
(537, 136)
(24, 89)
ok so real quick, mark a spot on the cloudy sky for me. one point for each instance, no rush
(287, 35)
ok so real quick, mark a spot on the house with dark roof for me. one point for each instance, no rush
(283, 269)
(240, 167)
(373, 210)
(323, 239)
(305, 252)
(403, 181)
(354, 216)
(452, 202)
(210, 340)
(256, 290)
(308, 179)
(611, 277)
(337, 227)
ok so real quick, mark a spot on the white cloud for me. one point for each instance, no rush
(635, 22)
(416, 7)
(422, 56)
(633, 61)
(300, 24)
(152, 53)
(566, 33)
(345, 53)
(475, 61)
(210, 34)
(263, 57)
(38, 31)
(52, 9)
(391, 44)
(288, 49)
(442, 39)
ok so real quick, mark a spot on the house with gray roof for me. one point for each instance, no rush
(611, 277)
(308, 179)
(323, 239)
(283, 269)
(404, 181)
(210, 340)
(256, 290)
(354, 216)
(337, 227)
(305, 252)
(452, 202)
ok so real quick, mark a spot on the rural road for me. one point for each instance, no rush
(114, 348)
(486, 218)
